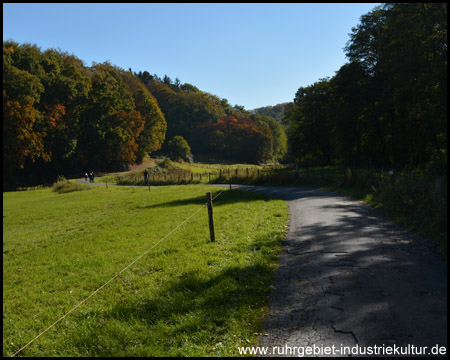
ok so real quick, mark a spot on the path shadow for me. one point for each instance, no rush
(359, 279)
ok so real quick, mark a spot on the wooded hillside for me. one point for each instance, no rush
(61, 117)
(387, 107)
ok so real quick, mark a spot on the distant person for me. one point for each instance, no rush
(86, 176)
(146, 177)
(91, 177)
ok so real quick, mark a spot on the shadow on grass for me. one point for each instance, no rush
(212, 300)
(225, 198)
(246, 193)
(195, 306)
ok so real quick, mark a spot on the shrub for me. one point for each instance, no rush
(62, 186)
(165, 163)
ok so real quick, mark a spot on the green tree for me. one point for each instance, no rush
(387, 106)
(106, 127)
(402, 47)
(22, 139)
(311, 127)
(278, 134)
(153, 135)
(179, 148)
(355, 140)
(184, 108)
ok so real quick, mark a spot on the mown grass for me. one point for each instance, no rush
(186, 297)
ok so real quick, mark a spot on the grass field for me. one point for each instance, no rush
(175, 173)
(186, 297)
(415, 200)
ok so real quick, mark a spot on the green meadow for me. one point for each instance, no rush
(186, 297)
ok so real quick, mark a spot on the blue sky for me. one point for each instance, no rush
(251, 54)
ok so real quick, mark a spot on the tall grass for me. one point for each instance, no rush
(63, 186)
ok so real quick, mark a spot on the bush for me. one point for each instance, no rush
(179, 148)
(62, 186)
(165, 163)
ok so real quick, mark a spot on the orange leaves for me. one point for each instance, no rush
(55, 115)
(20, 140)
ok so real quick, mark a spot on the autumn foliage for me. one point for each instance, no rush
(237, 137)
(61, 117)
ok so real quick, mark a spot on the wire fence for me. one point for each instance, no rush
(115, 276)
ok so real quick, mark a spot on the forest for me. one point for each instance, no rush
(385, 108)
(62, 117)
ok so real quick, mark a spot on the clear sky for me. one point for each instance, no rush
(251, 54)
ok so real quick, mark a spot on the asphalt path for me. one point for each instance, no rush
(348, 276)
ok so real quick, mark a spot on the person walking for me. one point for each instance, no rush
(86, 176)
(146, 177)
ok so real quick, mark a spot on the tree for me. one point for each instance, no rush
(179, 148)
(154, 132)
(278, 134)
(109, 121)
(311, 128)
(403, 49)
(356, 142)
(387, 106)
(119, 138)
(185, 107)
(22, 139)
(277, 111)
(237, 138)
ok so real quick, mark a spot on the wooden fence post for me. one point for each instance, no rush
(210, 216)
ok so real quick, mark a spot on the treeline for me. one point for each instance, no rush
(387, 107)
(212, 126)
(61, 117)
(276, 111)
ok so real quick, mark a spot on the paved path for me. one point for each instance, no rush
(347, 276)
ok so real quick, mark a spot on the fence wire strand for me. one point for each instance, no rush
(115, 276)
